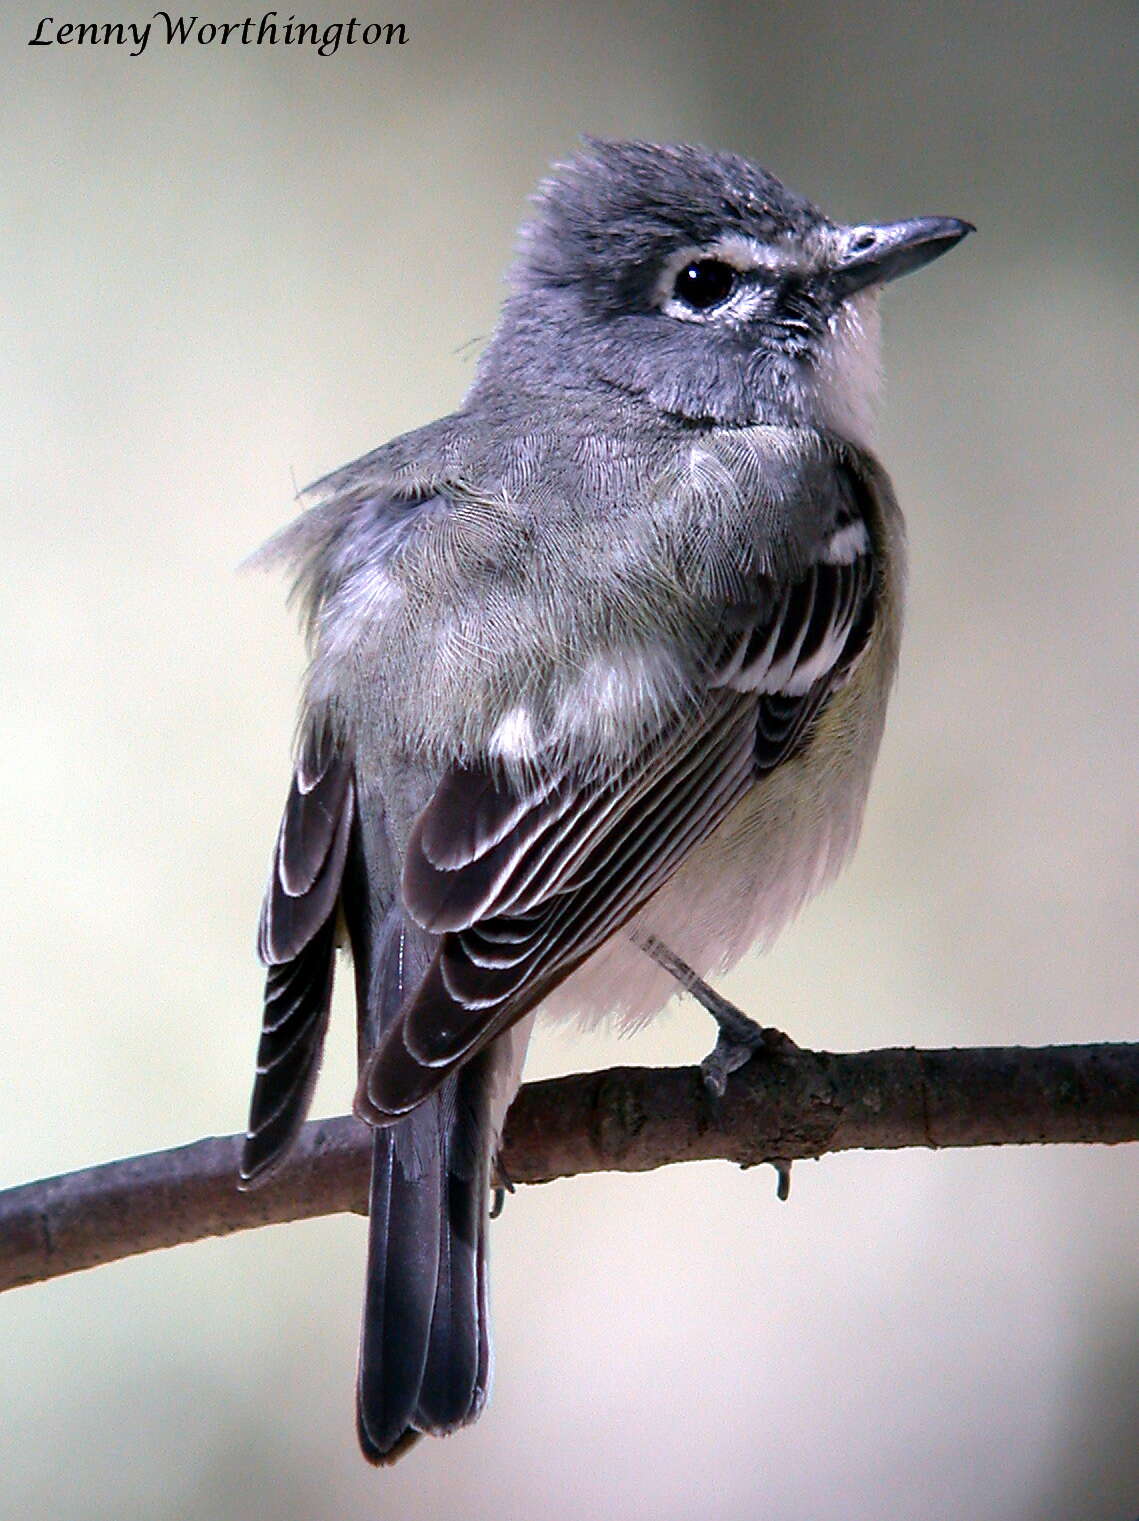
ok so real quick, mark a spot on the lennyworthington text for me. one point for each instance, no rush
(267, 30)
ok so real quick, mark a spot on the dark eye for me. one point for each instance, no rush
(704, 283)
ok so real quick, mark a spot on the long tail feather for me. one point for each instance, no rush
(424, 1349)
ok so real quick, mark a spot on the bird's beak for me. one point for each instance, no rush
(873, 255)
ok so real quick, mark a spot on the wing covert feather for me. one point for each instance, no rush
(524, 883)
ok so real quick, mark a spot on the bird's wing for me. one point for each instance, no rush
(523, 883)
(296, 942)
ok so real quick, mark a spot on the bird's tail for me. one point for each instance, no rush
(425, 1349)
(425, 1345)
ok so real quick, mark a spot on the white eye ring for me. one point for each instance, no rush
(741, 255)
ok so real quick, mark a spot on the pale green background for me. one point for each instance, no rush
(227, 271)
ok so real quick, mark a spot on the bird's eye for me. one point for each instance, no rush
(705, 283)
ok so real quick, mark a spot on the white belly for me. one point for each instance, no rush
(786, 840)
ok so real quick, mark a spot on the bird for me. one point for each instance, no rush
(598, 672)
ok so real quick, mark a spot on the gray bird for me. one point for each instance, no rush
(599, 669)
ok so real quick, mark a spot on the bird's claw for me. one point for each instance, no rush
(783, 1178)
(738, 1041)
(725, 1057)
(502, 1185)
(739, 1038)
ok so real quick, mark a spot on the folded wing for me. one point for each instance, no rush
(296, 941)
(523, 883)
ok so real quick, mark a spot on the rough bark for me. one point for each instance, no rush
(778, 1108)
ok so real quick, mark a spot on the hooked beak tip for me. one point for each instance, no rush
(875, 255)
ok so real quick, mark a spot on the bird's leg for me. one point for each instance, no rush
(739, 1035)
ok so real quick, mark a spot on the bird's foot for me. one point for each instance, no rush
(783, 1178)
(738, 1041)
(740, 1036)
(502, 1185)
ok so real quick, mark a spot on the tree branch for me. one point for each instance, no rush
(778, 1108)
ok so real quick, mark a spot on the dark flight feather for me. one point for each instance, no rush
(297, 942)
(524, 884)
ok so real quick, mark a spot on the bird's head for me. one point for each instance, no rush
(699, 282)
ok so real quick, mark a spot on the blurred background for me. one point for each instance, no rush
(228, 270)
